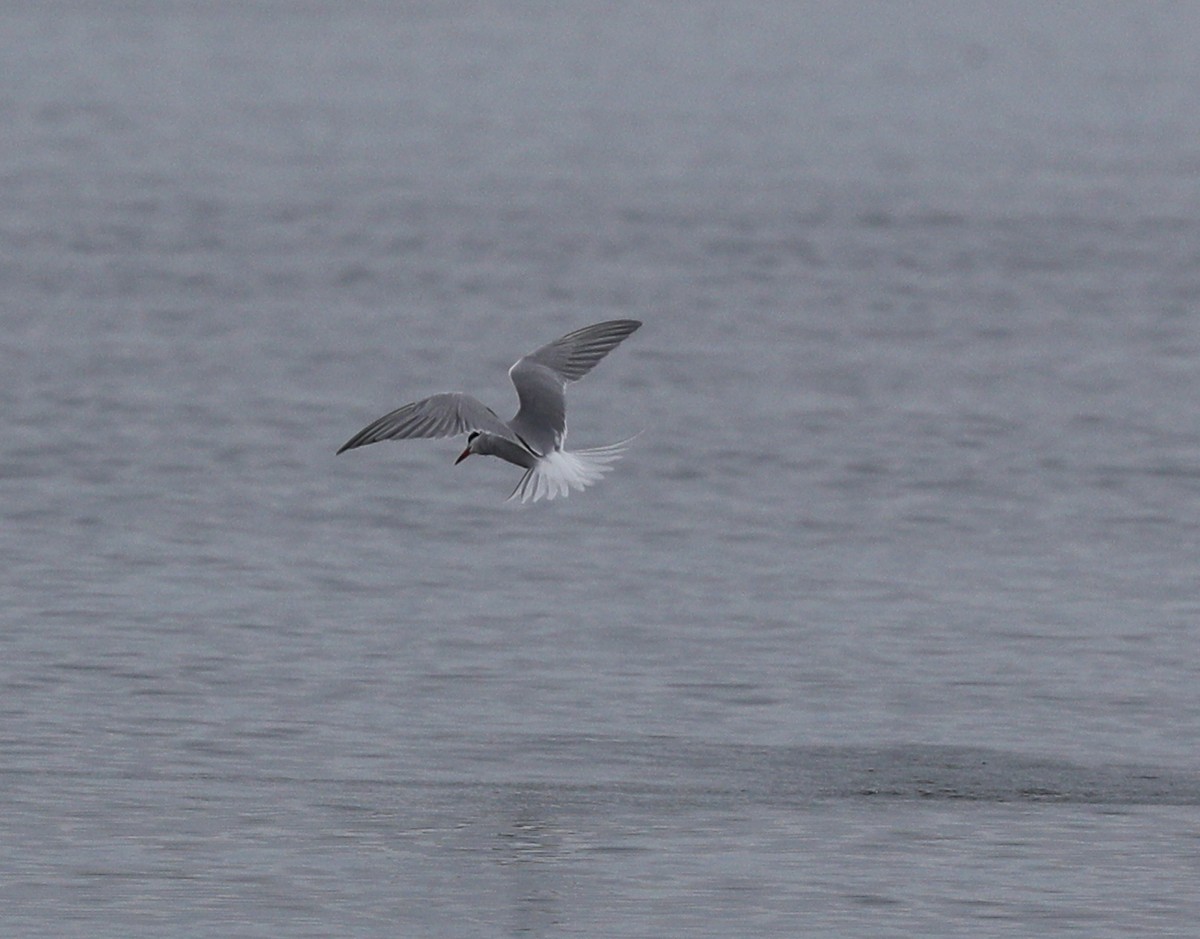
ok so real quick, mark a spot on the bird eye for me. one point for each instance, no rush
(472, 435)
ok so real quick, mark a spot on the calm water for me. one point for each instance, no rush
(887, 625)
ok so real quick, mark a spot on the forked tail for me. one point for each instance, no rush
(560, 471)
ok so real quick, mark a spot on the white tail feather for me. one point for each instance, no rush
(560, 471)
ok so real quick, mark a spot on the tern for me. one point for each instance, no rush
(533, 439)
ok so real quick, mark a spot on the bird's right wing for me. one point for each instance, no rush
(575, 354)
(541, 377)
(444, 415)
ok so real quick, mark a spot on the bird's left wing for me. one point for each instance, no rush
(444, 415)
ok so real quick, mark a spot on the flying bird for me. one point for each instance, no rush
(533, 439)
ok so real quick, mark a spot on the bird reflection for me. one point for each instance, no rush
(530, 848)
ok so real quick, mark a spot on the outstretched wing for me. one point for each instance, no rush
(541, 377)
(444, 415)
(576, 354)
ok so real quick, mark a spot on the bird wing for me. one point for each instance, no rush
(541, 377)
(444, 415)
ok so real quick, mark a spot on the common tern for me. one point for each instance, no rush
(533, 439)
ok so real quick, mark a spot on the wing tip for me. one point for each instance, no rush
(361, 439)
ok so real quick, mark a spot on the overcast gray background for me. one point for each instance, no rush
(887, 623)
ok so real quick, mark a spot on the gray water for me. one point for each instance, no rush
(887, 624)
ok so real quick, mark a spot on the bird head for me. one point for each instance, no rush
(471, 438)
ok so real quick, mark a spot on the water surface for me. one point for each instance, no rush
(885, 626)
